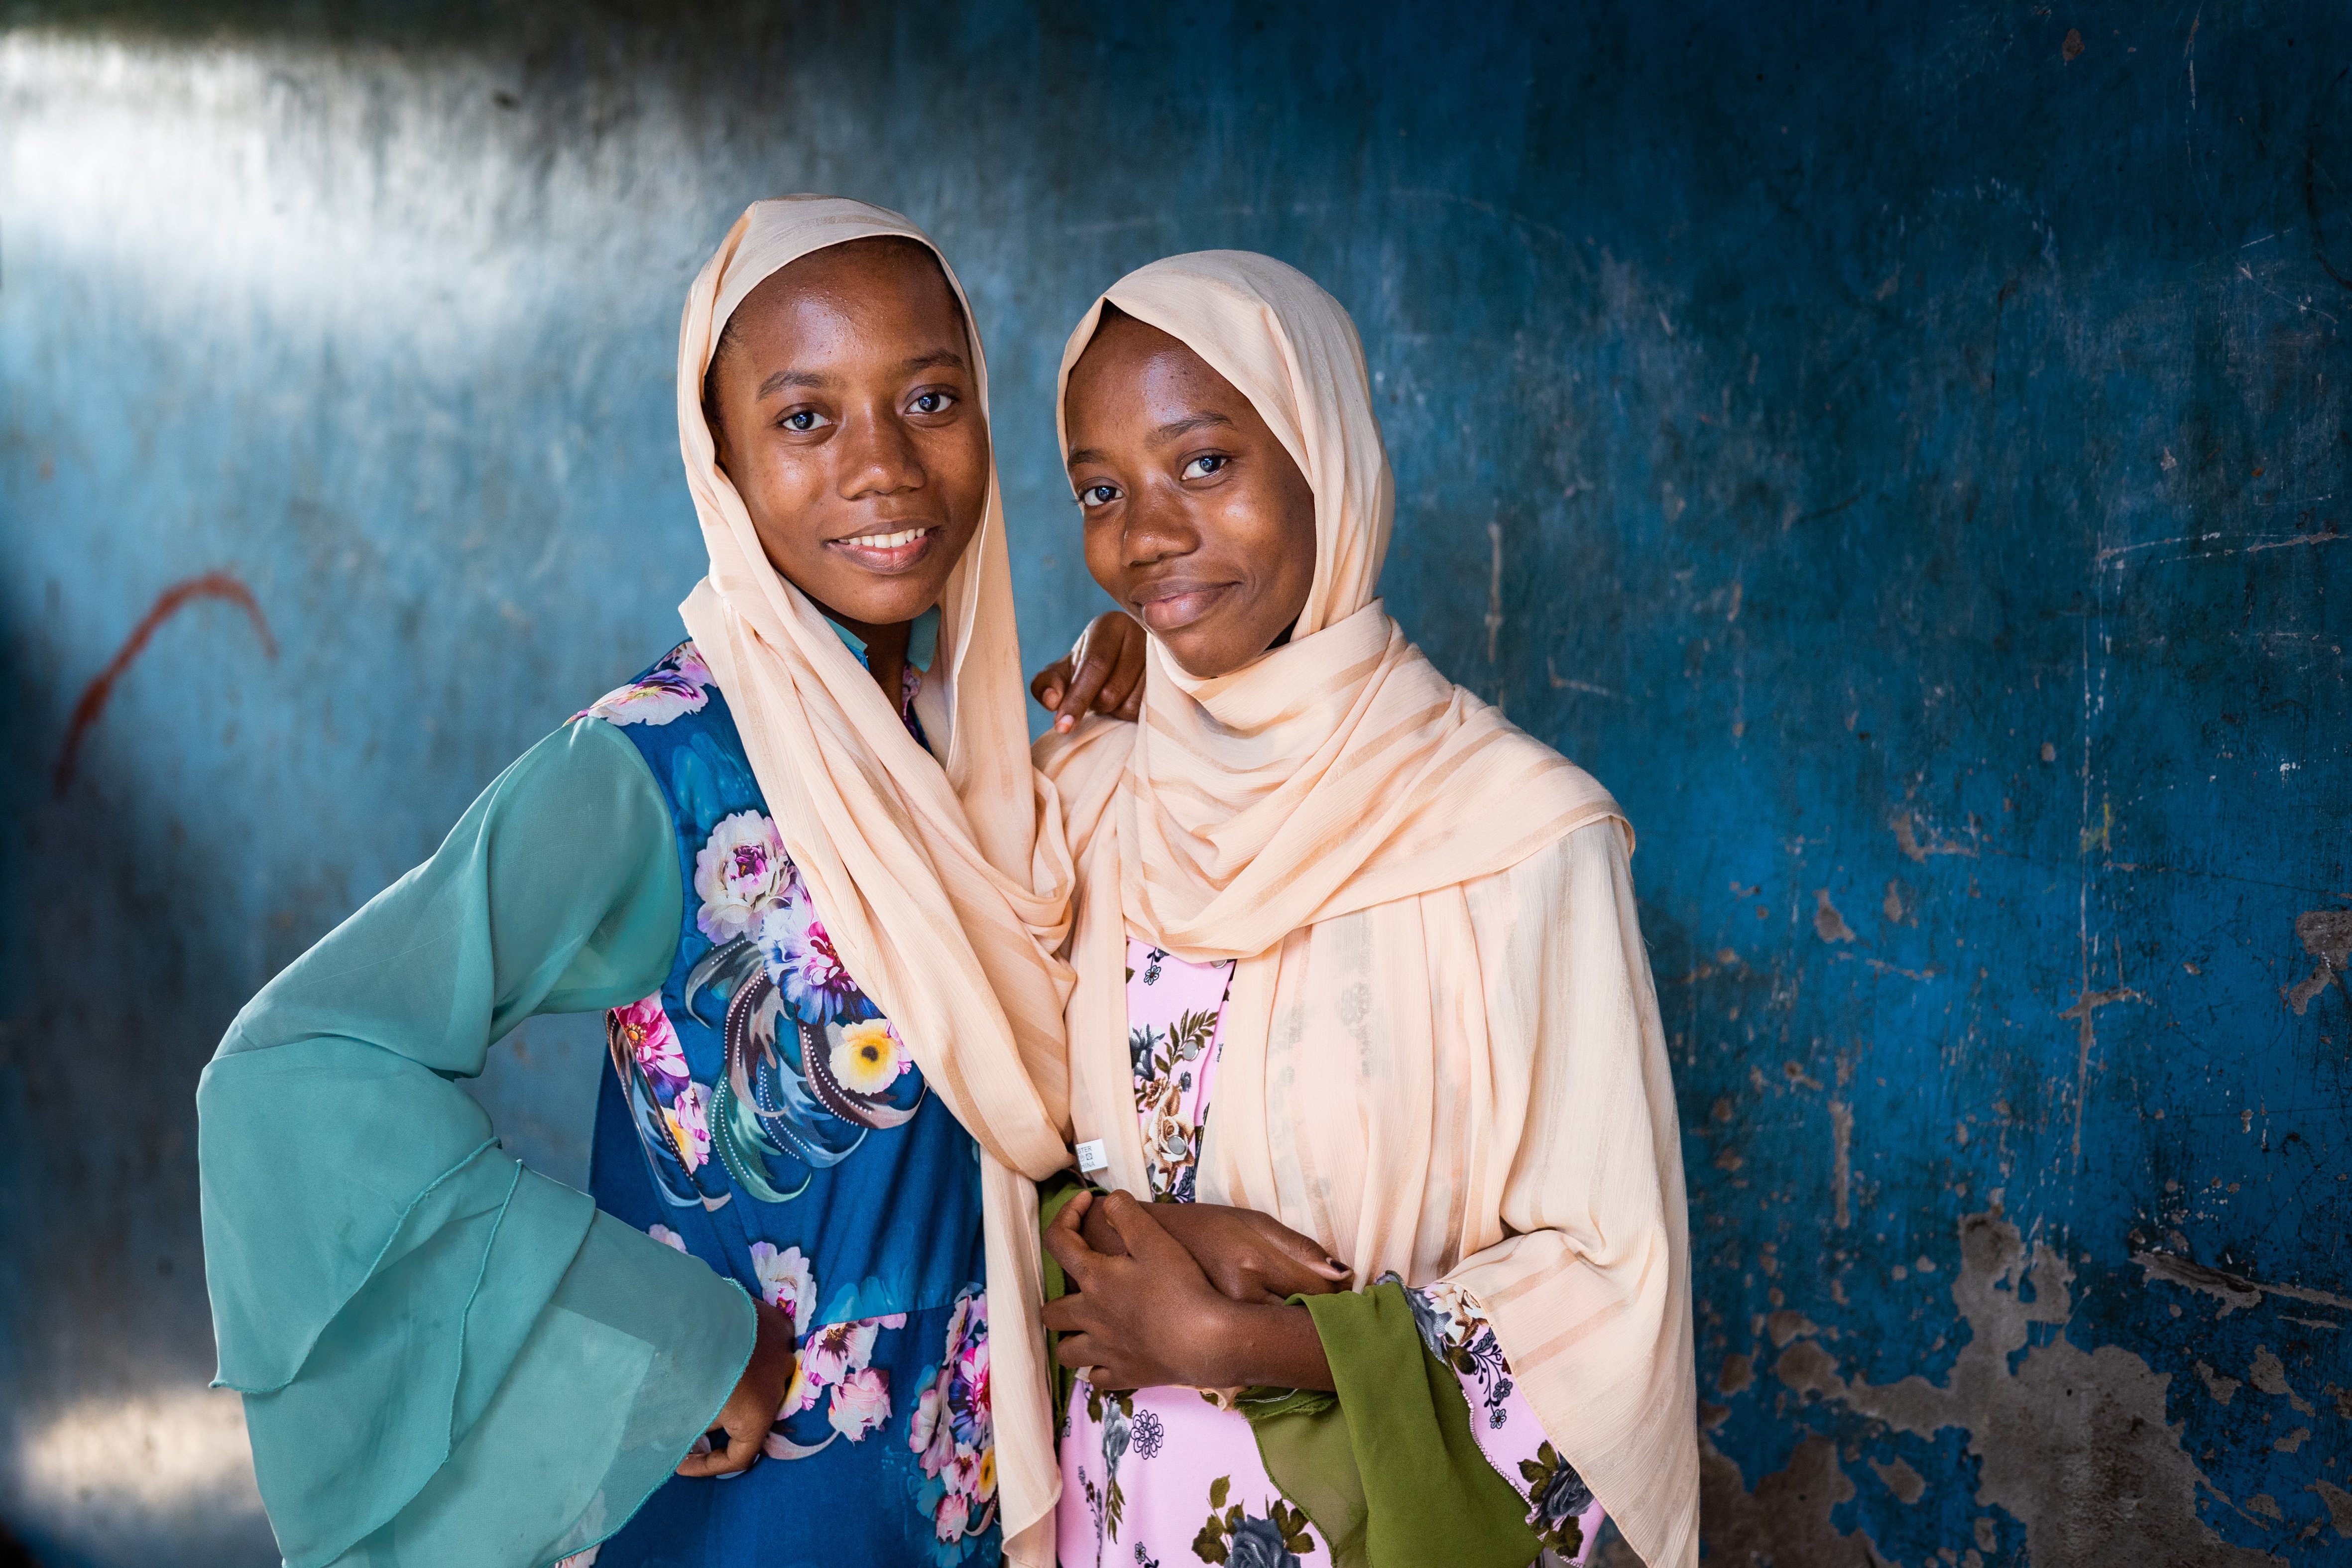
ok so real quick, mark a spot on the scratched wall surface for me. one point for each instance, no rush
(1908, 459)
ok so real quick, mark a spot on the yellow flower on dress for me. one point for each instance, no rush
(868, 1057)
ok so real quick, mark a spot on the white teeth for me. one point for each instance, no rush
(892, 540)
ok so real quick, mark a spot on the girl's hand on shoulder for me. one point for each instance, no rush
(1246, 1255)
(743, 1421)
(1102, 673)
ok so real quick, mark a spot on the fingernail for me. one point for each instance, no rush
(1062, 725)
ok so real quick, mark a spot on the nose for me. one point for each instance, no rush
(1157, 527)
(880, 457)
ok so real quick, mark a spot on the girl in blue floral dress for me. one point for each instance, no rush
(804, 866)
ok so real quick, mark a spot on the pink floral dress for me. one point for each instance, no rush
(1161, 1477)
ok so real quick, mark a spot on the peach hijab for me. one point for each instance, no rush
(946, 890)
(1441, 1051)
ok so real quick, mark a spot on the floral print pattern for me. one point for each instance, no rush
(953, 1436)
(1174, 1010)
(754, 1080)
(672, 689)
(802, 961)
(1138, 1467)
(1240, 1539)
(644, 1033)
(1454, 1329)
(742, 873)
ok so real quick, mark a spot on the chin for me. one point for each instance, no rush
(1198, 658)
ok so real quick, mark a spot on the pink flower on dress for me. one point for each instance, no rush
(861, 1402)
(652, 1039)
(926, 1424)
(741, 871)
(835, 1351)
(666, 1236)
(953, 1516)
(690, 1126)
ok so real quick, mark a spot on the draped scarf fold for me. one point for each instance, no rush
(1351, 827)
(945, 891)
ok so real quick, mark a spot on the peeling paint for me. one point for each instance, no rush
(1908, 1483)
(2326, 936)
(2075, 1445)
(1828, 924)
(2233, 1291)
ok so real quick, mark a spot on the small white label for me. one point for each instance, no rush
(1093, 1157)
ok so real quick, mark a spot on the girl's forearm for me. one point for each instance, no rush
(1272, 1346)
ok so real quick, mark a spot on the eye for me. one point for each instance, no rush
(934, 403)
(803, 420)
(1202, 467)
(1097, 495)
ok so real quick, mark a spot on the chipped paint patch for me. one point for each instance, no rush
(2073, 1445)
(1828, 924)
(2326, 936)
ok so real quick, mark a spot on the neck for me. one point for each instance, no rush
(886, 646)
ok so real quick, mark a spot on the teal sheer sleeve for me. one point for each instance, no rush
(444, 1356)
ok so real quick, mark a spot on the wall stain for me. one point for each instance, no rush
(169, 603)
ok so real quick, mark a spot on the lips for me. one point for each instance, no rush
(893, 551)
(1172, 605)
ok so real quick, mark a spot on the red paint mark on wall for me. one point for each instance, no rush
(169, 603)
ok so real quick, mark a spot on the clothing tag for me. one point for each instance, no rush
(1093, 1157)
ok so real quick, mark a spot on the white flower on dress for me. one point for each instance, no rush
(868, 1057)
(741, 871)
(666, 1236)
(671, 689)
(786, 1281)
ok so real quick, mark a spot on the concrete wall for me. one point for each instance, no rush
(1905, 455)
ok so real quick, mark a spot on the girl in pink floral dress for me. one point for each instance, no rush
(1358, 961)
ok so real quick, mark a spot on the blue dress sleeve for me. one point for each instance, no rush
(444, 1356)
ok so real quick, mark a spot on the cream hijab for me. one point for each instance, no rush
(946, 890)
(1441, 1054)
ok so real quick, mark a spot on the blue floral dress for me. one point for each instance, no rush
(761, 1114)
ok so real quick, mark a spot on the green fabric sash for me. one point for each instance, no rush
(1388, 1468)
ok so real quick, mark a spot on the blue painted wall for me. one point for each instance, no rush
(1907, 457)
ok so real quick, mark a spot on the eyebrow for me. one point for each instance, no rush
(816, 382)
(784, 378)
(1168, 432)
(1185, 426)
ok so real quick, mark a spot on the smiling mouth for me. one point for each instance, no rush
(894, 552)
(1172, 606)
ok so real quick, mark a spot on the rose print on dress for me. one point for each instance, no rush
(740, 873)
(786, 1281)
(672, 1112)
(1172, 1046)
(1455, 1330)
(953, 1436)
(676, 687)
(1239, 1540)
(802, 963)
(808, 1068)
(1557, 1499)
